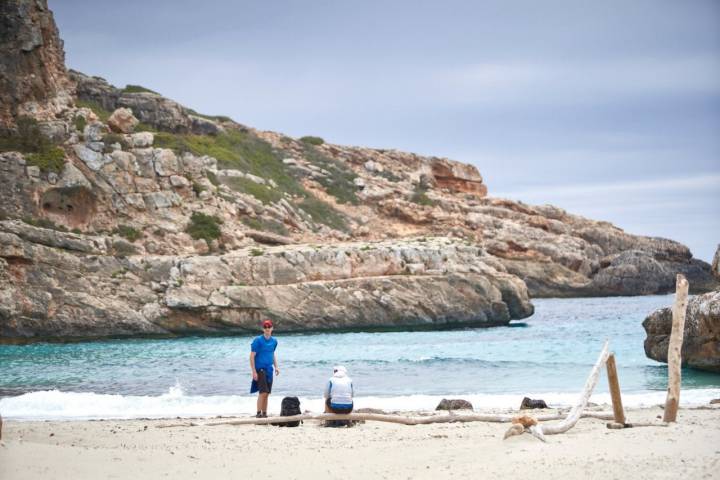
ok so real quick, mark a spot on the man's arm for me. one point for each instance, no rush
(252, 366)
(328, 387)
(277, 370)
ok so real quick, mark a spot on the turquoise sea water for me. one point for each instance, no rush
(550, 354)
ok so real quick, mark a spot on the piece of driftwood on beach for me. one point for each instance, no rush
(674, 357)
(574, 415)
(376, 417)
(539, 431)
(614, 385)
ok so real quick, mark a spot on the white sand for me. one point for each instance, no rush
(136, 449)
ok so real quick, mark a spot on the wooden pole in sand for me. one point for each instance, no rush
(675, 349)
(614, 384)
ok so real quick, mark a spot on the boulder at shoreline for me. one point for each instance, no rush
(701, 341)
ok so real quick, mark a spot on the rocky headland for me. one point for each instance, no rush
(126, 213)
(701, 335)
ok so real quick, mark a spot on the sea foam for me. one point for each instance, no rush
(57, 405)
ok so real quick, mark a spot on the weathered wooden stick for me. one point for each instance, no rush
(452, 418)
(619, 426)
(574, 414)
(675, 349)
(614, 384)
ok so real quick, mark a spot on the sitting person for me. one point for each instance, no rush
(339, 392)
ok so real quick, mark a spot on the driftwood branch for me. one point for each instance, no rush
(576, 411)
(619, 426)
(614, 386)
(404, 420)
(674, 358)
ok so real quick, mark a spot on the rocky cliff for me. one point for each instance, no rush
(33, 80)
(701, 340)
(126, 177)
(74, 286)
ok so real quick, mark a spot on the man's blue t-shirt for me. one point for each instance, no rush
(264, 354)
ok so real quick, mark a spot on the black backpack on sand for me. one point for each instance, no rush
(290, 406)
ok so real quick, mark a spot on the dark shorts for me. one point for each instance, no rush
(337, 410)
(263, 385)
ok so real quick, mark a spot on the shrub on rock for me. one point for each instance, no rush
(204, 226)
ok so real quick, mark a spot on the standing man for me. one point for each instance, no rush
(262, 361)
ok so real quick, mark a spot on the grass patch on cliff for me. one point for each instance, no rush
(138, 89)
(97, 109)
(323, 213)
(239, 150)
(265, 225)
(40, 151)
(111, 139)
(310, 140)
(204, 226)
(44, 223)
(80, 123)
(51, 160)
(27, 137)
(340, 181)
(215, 118)
(388, 175)
(264, 193)
(128, 232)
(420, 197)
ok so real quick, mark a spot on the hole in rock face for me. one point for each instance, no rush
(74, 206)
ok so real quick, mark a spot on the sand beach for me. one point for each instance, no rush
(138, 449)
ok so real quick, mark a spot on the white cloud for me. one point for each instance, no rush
(694, 183)
(580, 82)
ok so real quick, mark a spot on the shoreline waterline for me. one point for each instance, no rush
(69, 406)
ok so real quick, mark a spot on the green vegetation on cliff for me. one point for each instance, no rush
(96, 108)
(264, 193)
(265, 225)
(128, 232)
(40, 151)
(50, 160)
(323, 213)
(420, 197)
(236, 149)
(215, 118)
(310, 140)
(242, 150)
(138, 89)
(204, 226)
(340, 181)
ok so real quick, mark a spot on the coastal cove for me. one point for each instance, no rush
(546, 356)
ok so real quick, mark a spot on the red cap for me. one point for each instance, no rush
(267, 323)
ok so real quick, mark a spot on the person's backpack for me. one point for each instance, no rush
(290, 406)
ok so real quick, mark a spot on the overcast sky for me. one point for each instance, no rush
(608, 109)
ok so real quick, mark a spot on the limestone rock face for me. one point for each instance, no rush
(150, 108)
(457, 177)
(122, 120)
(701, 341)
(313, 234)
(33, 79)
(63, 285)
(716, 263)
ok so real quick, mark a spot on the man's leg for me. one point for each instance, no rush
(263, 402)
(259, 403)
